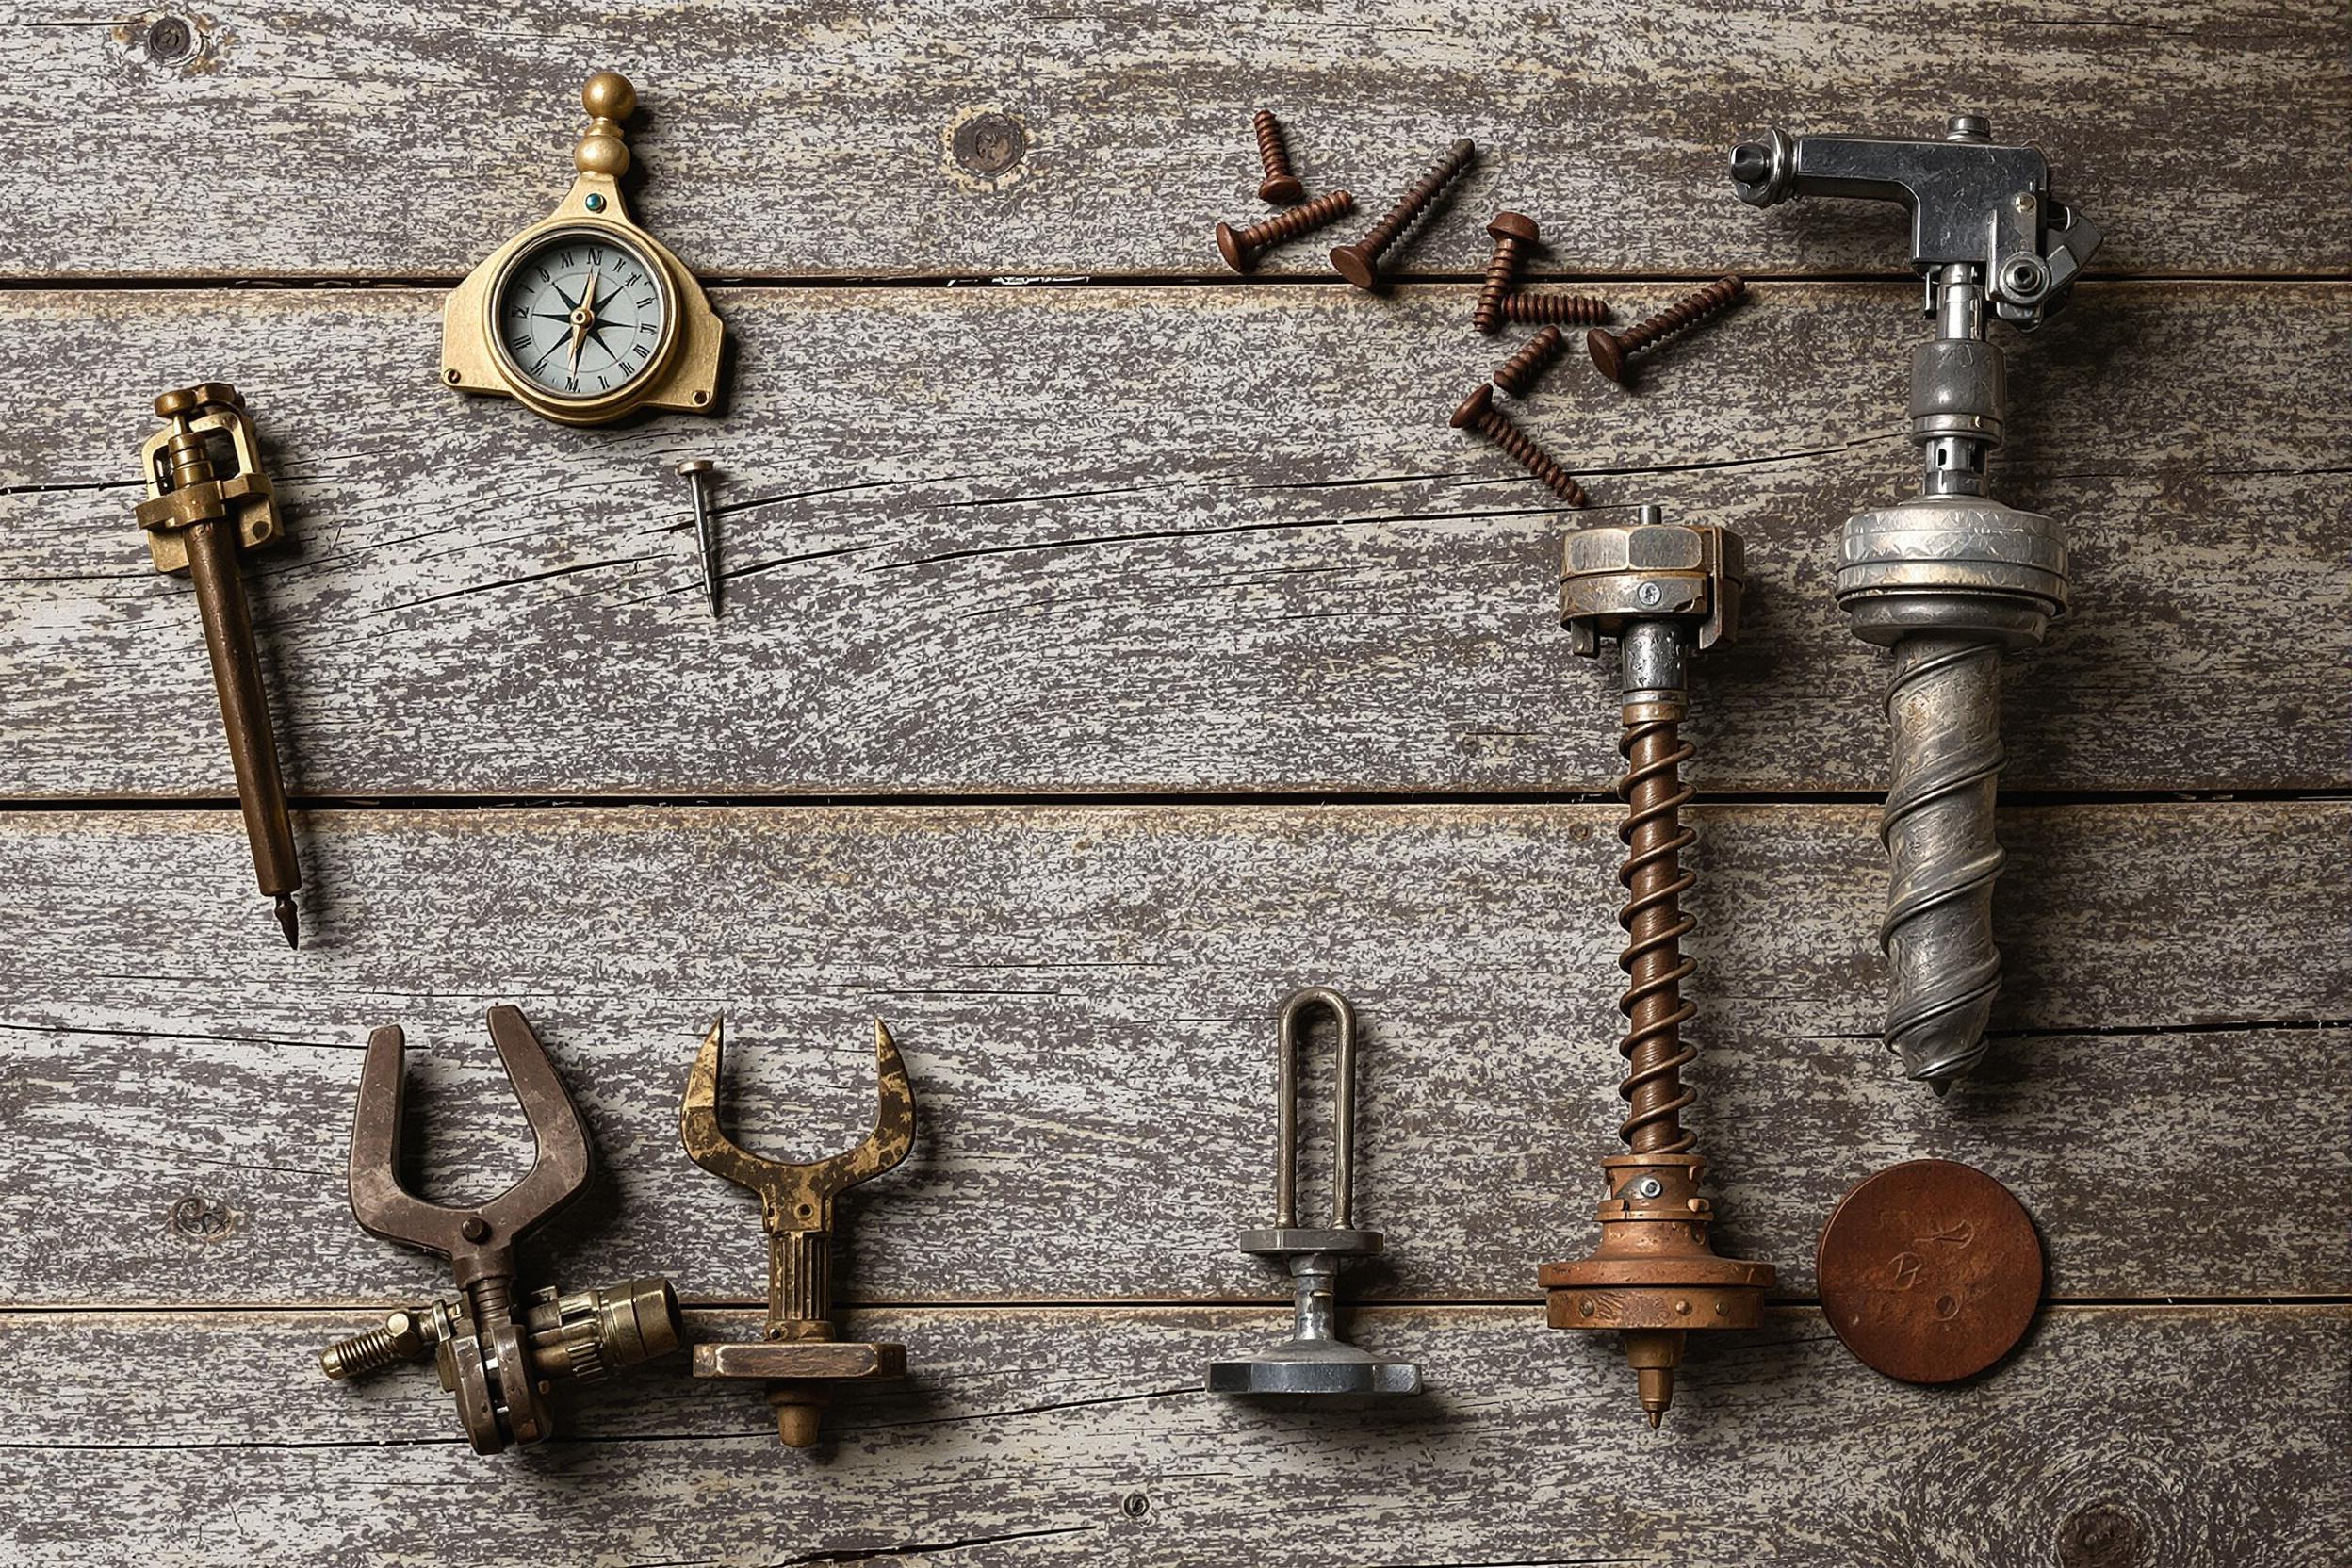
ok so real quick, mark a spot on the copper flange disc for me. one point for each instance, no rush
(1930, 1271)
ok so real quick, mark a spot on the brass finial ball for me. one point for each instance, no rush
(609, 96)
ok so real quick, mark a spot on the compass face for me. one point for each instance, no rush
(579, 314)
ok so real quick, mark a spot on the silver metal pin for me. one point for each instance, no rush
(697, 472)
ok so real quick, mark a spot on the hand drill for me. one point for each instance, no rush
(1952, 576)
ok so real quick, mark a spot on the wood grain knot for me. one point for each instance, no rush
(199, 1218)
(2104, 1535)
(169, 41)
(989, 144)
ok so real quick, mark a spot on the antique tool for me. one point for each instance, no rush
(1279, 187)
(1360, 263)
(1478, 414)
(1930, 1271)
(497, 1359)
(1313, 1360)
(1518, 374)
(697, 474)
(1240, 247)
(584, 317)
(1610, 350)
(1659, 590)
(1952, 576)
(800, 1361)
(1516, 236)
(208, 500)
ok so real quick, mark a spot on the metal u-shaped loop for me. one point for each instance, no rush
(1295, 1009)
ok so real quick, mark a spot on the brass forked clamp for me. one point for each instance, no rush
(800, 1361)
(497, 1359)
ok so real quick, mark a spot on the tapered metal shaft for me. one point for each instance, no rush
(245, 714)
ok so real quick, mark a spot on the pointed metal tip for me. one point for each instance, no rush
(289, 922)
(1655, 1416)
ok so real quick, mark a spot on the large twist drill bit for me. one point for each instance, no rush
(1950, 578)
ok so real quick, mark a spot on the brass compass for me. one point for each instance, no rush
(584, 317)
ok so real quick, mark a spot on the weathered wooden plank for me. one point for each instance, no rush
(1085, 1000)
(2195, 1438)
(341, 140)
(972, 549)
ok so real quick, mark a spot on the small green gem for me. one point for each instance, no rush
(596, 204)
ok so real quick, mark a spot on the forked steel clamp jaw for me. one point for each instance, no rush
(800, 1361)
(499, 1361)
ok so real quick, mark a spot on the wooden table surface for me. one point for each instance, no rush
(1111, 645)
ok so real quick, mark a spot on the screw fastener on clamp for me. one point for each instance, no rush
(1314, 1360)
(1950, 578)
(1658, 590)
(800, 1361)
(496, 1360)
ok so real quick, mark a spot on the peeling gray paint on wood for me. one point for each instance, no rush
(2210, 1438)
(1086, 1000)
(973, 546)
(824, 142)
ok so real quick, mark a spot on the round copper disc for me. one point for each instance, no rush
(1930, 1271)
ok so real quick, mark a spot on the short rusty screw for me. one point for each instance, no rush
(1610, 350)
(1478, 412)
(1568, 310)
(1241, 246)
(1281, 187)
(1515, 235)
(1360, 263)
(1517, 375)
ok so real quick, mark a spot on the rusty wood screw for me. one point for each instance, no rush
(1517, 375)
(1280, 187)
(1515, 235)
(1241, 246)
(1569, 310)
(1610, 350)
(1478, 412)
(1360, 263)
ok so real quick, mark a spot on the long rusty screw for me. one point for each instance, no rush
(1515, 235)
(1610, 350)
(1360, 263)
(1280, 187)
(1569, 310)
(1241, 246)
(1517, 375)
(1478, 412)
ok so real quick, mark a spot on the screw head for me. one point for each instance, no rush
(1282, 189)
(1229, 243)
(1649, 1187)
(1472, 407)
(1608, 355)
(1514, 225)
(475, 1230)
(1351, 263)
(694, 465)
(1649, 592)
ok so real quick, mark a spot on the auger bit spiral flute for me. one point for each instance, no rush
(1950, 578)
